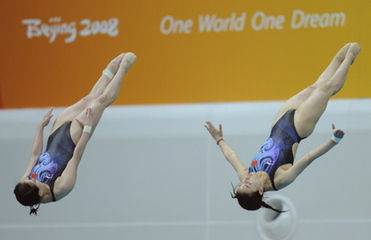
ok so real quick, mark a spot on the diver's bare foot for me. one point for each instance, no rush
(353, 51)
(128, 60)
(342, 52)
(114, 65)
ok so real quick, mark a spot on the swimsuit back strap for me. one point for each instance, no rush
(53, 197)
(272, 182)
(51, 186)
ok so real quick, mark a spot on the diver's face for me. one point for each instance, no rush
(250, 184)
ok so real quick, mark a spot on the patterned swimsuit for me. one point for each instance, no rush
(51, 164)
(277, 149)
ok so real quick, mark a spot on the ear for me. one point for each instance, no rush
(41, 192)
(261, 191)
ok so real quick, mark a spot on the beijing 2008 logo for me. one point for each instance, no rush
(70, 30)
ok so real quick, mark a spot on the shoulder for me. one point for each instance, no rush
(267, 184)
(281, 177)
(60, 190)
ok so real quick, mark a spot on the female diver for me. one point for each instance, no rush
(273, 168)
(51, 175)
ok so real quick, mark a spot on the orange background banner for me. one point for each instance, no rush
(188, 52)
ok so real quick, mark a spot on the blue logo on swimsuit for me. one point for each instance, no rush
(266, 157)
(45, 168)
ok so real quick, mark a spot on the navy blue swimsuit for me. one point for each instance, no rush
(51, 164)
(277, 149)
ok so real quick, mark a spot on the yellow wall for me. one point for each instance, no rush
(179, 60)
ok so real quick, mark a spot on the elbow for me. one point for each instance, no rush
(309, 158)
(231, 155)
(35, 154)
(78, 156)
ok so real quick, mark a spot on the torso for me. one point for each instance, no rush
(54, 160)
(277, 153)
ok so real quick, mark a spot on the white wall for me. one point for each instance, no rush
(153, 172)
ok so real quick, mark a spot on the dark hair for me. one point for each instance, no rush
(27, 195)
(252, 201)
